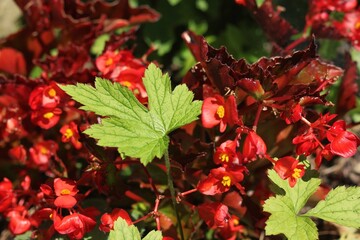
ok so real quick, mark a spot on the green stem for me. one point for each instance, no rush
(172, 192)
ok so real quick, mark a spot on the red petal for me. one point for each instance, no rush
(66, 201)
(345, 144)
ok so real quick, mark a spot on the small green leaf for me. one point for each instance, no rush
(122, 231)
(153, 235)
(300, 193)
(259, 3)
(285, 209)
(341, 206)
(284, 220)
(132, 128)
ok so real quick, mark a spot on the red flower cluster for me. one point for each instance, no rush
(335, 19)
(122, 67)
(44, 102)
(341, 142)
(64, 195)
(216, 215)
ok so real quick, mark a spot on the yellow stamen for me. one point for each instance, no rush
(224, 157)
(109, 62)
(44, 150)
(48, 115)
(220, 111)
(296, 173)
(126, 84)
(68, 133)
(226, 181)
(52, 92)
(65, 192)
(236, 222)
(357, 25)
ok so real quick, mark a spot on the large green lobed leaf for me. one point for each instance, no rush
(129, 126)
(341, 206)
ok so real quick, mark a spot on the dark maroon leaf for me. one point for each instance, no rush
(276, 27)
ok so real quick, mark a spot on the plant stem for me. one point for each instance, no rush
(172, 192)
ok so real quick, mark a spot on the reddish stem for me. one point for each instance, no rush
(292, 45)
(183, 194)
(257, 117)
(306, 121)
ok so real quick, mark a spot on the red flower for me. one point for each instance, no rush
(42, 153)
(216, 110)
(343, 143)
(221, 179)
(254, 146)
(107, 220)
(70, 133)
(107, 62)
(293, 114)
(18, 223)
(214, 214)
(74, 225)
(306, 143)
(45, 96)
(18, 154)
(229, 232)
(226, 153)
(45, 117)
(323, 153)
(289, 168)
(65, 190)
(6, 194)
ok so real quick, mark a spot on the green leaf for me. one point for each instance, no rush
(285, 209)
(300, 193)
(135, 130)
(283, 219)
(122, 231)
(342, 206)
(259, 3)
(153, 235)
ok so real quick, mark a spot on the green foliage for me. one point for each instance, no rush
(285, 209)
(342, 206)
(122, 231)
(135, 130)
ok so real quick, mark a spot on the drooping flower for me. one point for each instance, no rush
(254, 146)
(306, 143)
(108, 219)
(342, 142)
(293, 114)
(6, 194)
(289, 168)
(74, 225)
(19, 222)
(215, 215)
(217, 110)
